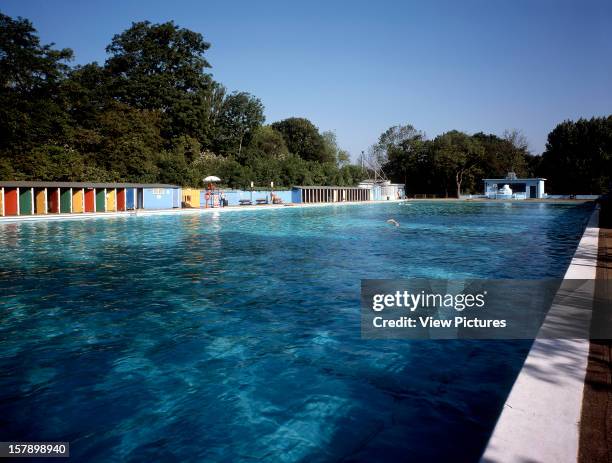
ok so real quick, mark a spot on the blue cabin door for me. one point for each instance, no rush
(129, 198)
(175, 198)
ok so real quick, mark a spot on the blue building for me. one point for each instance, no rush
(160, 197)
(513, 187)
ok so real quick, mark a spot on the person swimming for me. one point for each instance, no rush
(393, 222)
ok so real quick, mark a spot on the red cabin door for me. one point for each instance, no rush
(11, 201)
(90, 200)
(121, 199)
(53, 203)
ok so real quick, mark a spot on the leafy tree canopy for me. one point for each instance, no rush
(303, 139)
(150, 113)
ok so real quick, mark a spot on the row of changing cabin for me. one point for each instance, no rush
(33, 198)
(324, 194)
(28, 198)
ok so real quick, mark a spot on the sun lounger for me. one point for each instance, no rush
(262, 201)
(245, 202)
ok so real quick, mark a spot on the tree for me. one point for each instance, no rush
(267, 143)
(162, 67)
(128, 143)
(303, 139)
(457, 154)
(31, 110)
(339, 156)
(87, 92)
(241, 113)
(578, 156)
(409, 161)
(503, 155)
(151, 113)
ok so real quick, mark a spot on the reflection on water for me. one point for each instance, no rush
(235, 336)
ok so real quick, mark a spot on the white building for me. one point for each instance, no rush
(383, 190)
(513, 187)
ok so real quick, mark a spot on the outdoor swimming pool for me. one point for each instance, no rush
(235, 336)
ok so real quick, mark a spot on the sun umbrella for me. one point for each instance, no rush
(212, 178)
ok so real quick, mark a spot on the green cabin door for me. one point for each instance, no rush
(100, 200)
(65, 200)
(25, 201)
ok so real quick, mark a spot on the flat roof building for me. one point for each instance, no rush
(513, 187)
(18, 198)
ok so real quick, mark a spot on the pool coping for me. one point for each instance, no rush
(540, 420)
(182, 211)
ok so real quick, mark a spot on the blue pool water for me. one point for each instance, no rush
(235, 336)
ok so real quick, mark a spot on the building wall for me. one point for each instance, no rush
(158, 198)
(191, 197)
(391, 192)
(234, 196)
(517, 188)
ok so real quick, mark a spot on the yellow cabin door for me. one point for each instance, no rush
(77, 200)
(111, 203)
(40, 205)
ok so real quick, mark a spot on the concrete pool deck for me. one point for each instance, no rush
(540, 420)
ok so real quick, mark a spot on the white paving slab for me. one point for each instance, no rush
(540, 419)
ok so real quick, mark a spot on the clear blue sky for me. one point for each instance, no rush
(358, 67)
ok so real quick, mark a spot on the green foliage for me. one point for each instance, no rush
(161, 67)
(503, 155)
(240, 114)
(268, 143)
(30, 75)
(453, 162)
(303, 139)
(578, 157)
(332, 151)
(456, 155)
(151, 113)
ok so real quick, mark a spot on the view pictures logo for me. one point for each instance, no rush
(414, 301)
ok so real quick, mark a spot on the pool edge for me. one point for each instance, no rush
(540, 420)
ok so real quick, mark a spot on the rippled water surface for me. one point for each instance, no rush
(235, 336)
